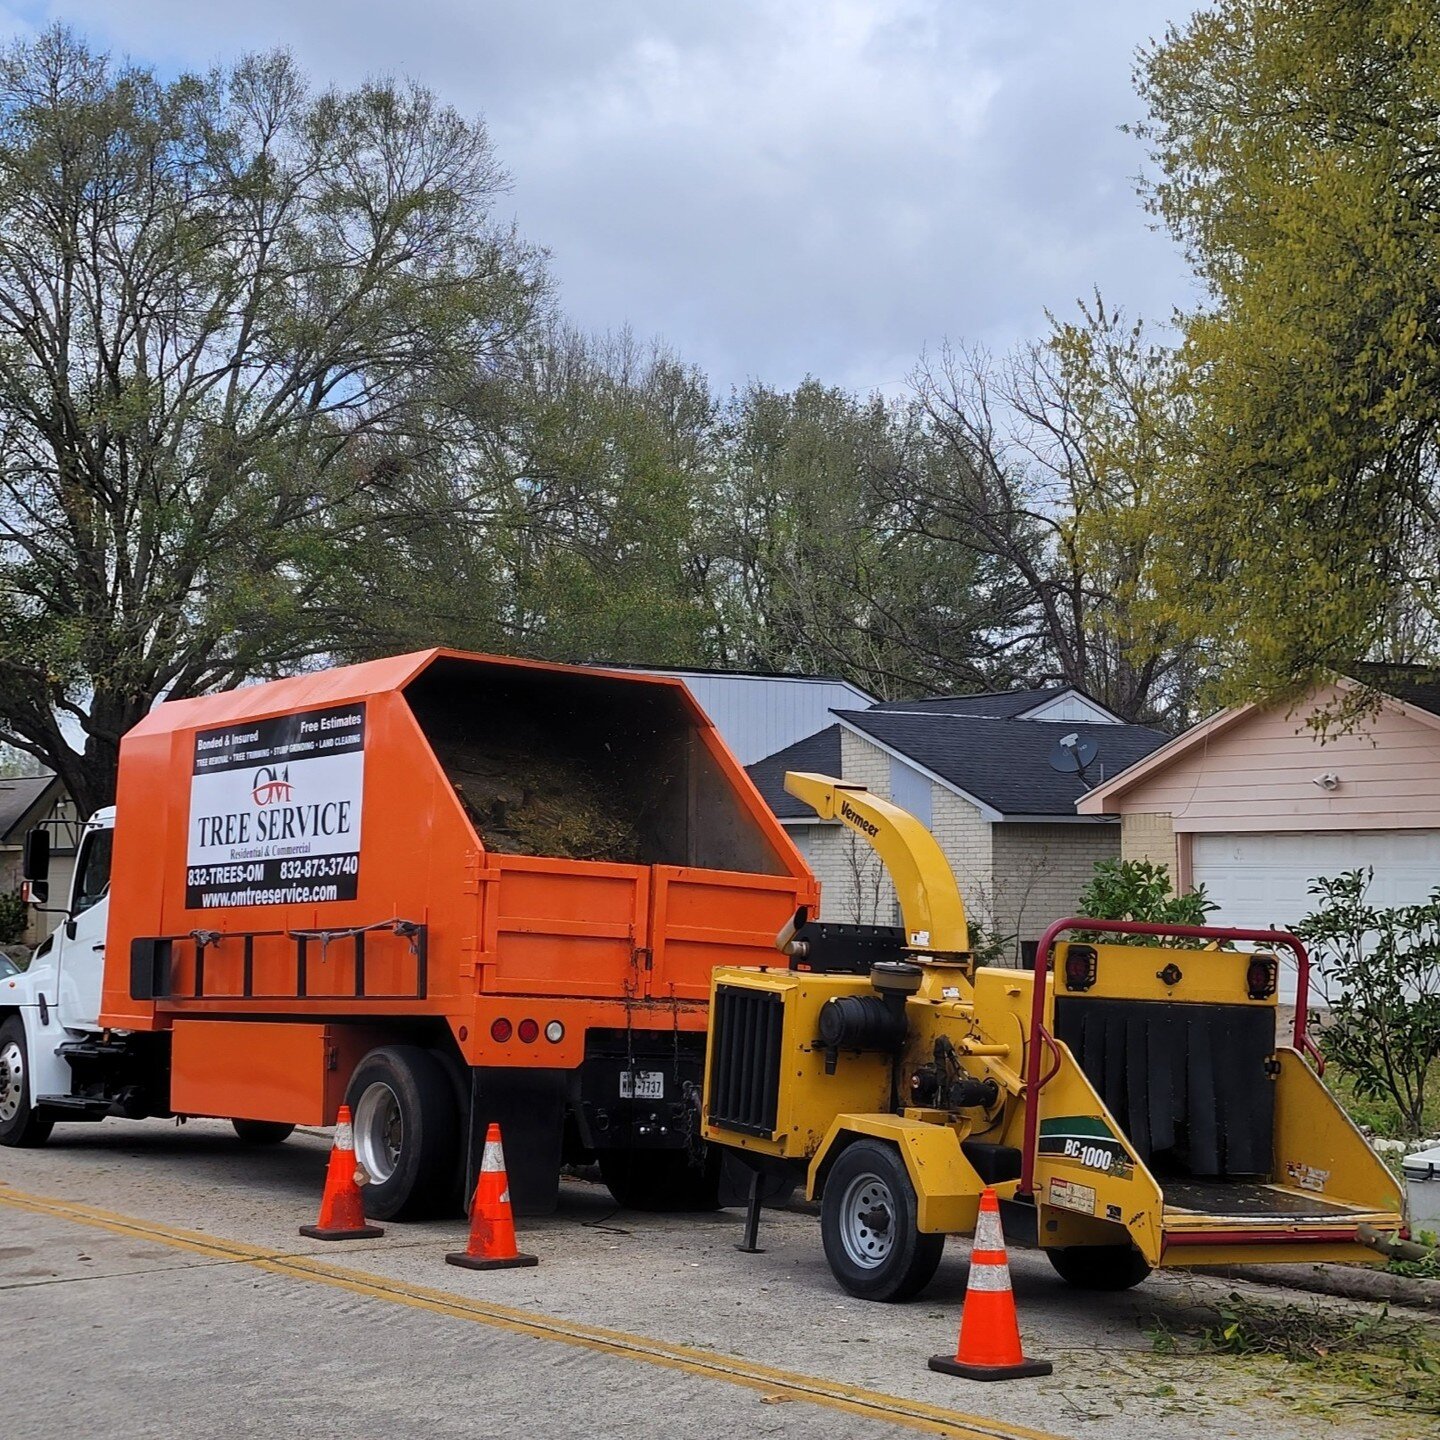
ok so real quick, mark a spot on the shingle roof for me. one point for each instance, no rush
(1004, 763)
(819, 752)
(1002, 704)
(1417, 685)
(17, 797)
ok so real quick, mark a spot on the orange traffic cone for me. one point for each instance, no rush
(342, 1212)
(492, 1226)
(989, 1347)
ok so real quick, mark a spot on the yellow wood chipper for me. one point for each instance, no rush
(1128, 1102)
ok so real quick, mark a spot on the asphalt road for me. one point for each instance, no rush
(152, 1284)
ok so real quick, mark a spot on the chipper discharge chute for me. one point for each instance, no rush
(1129, 1102)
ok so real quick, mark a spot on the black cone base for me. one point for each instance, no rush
(359, 1232)
(481, 1262)
(948, 1365)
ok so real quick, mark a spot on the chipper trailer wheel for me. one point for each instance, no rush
(262, 1132)
(1099, 1267)
(868, 1225)
(407, 1130)
(18, 1124)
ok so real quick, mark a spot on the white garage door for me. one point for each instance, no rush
(1262, 879)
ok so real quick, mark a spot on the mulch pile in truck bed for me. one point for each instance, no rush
(528, 803)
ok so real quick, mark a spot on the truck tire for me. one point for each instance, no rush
(660, 1180)
(407, 1131)
(869, 1227)
(262, 1132)
(19, 1127)
(1099, 1267)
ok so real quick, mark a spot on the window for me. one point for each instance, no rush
(92, 869)
(910, 790)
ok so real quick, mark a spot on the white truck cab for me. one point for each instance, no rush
(55, 1003)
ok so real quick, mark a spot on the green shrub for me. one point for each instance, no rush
(1140, 890)
(1379, 969)
(14, 916)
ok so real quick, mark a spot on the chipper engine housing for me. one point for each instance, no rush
(1128, 1102)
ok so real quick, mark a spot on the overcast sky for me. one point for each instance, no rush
(774, 187)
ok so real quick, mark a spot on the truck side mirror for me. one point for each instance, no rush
(35, 865)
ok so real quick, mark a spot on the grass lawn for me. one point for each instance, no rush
(1382, 1117)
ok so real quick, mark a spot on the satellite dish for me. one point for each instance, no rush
(1073, 754)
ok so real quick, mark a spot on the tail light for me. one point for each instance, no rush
(500, 1030)
(1261, 975)
(1081, 967)
(554, 1032)
(528, 1031)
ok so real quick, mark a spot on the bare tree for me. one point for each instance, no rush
(1048, 462)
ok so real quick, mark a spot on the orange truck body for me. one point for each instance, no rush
(296, 878)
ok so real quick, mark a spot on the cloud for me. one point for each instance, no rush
(819, 186)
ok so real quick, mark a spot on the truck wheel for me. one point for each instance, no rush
(868, 1224)
(1099, 1267)
(18, 1124)
(661, 1179)
(262, 1132)
(407, 1129)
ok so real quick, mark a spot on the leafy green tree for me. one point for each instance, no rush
(1379, 968)
(241, 328)
(1297, 159)
(816, 566)
(580, 506)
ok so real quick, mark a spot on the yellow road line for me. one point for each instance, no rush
(786, 1384)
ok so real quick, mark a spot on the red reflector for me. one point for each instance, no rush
(1260, 976)
(528, 1031)
(500, 1030)
(1081, 965)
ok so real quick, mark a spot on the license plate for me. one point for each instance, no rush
(642, 1084)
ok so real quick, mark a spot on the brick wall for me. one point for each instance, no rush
(1040, 871)
(1149, 837)
(854, 888)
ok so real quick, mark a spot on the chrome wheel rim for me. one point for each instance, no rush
(379, 1131)
(12, 1080)
(867, 1221)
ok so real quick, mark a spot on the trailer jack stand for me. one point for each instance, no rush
(748, 1245)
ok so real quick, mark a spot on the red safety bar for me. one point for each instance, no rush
(1035, 1082)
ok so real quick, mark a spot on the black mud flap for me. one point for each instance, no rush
(529, 1107)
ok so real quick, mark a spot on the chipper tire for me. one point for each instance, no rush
(407, 1130)
(19, 1127)
(1099, 1267)
(869, 1228)
(261, 1132)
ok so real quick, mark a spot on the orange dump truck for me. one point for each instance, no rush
(443, 888)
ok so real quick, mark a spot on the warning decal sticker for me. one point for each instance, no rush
(275, 810)
(1067, 1195)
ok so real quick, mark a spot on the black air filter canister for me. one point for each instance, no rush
(861, 1022)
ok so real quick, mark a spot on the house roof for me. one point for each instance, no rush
(1417, 685)
(18, 797)
(819, 752)
(1003, 763)
(1001, 704)
(998, 704)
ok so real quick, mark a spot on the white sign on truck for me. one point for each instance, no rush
(275, 810)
